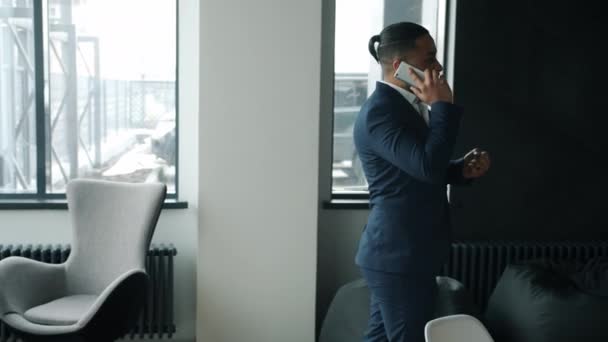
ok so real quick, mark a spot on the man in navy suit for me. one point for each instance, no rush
(405, 136)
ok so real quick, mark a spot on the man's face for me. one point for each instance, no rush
(424, 55)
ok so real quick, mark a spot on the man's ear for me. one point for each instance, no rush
(396, 63)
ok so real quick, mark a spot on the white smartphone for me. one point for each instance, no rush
(403, 73)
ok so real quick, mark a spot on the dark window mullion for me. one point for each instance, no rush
(41, 105)
(176, 98)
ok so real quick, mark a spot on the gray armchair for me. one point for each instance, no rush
(98, 292)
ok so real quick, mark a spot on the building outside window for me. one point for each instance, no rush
(87, 90)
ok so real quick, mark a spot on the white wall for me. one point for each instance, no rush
(175, 226)
(259, 136)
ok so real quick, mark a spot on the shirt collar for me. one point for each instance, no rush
(411, 98)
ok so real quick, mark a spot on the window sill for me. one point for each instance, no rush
(347, 204)
(61, 204)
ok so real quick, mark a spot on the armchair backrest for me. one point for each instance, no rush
(112, 223)
(456, 328)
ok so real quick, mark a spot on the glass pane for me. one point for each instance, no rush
(112, 91)
(17, 98)
(356, 72)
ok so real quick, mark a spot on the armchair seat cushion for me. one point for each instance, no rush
(62, 311)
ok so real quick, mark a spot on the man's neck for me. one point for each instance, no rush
(392, 80)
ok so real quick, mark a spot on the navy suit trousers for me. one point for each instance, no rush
(400, 305)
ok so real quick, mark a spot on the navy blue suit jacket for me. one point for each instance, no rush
(407, 165)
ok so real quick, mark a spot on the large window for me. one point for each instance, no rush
(87, 90)
(356, 72)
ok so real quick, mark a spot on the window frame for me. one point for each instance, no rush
(444, 39)
(41, 199)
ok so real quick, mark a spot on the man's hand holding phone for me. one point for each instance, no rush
(433, 88)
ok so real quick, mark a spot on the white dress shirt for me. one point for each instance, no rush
(420, 107)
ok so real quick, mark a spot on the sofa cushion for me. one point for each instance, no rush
(547, 301)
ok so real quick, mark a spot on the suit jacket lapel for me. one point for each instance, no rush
(409, 114)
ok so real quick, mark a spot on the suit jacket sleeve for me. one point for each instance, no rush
(397, 142)
(454, 174)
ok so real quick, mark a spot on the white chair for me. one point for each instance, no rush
(456, 328)
(98, 292)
